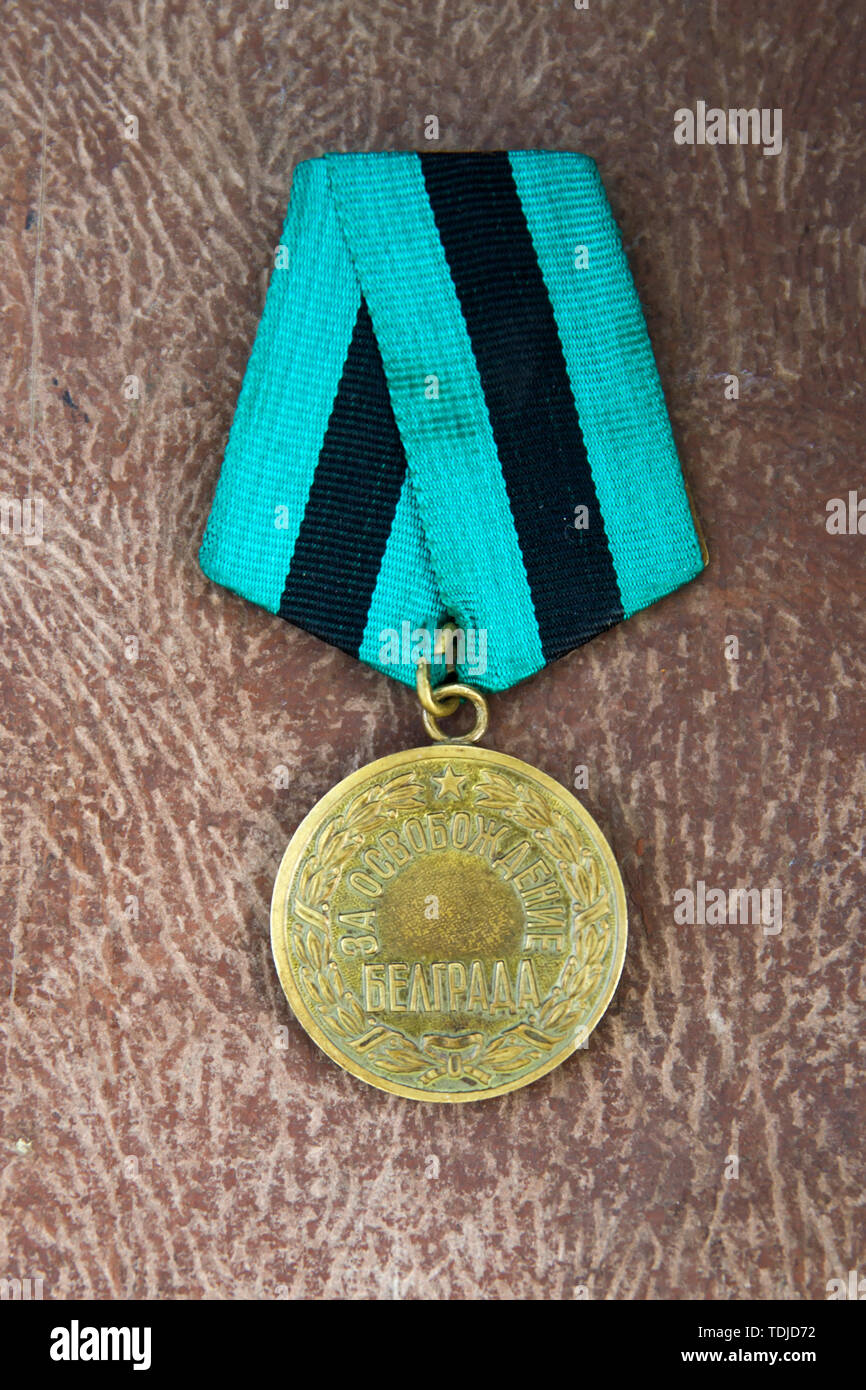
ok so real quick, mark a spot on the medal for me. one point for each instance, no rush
(448, 922)
(451, 458)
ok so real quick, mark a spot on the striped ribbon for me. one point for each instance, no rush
(452, 363)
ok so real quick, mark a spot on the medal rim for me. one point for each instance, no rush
(300, 840)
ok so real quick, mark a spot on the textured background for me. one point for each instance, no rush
(260, 1169)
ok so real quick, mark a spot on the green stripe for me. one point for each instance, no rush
(449, 443)
(286, 399)
(406, 591)
(616, 386)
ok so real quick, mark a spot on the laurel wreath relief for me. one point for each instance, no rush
(469, 1057)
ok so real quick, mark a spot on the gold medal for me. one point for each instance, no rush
(448, 923)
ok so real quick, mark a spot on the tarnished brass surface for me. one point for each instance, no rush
(448, 923)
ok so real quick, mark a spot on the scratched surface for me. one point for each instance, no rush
(167, 1128)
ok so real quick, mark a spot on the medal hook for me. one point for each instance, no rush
(446, 699)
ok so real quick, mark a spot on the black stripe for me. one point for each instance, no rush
(525, 380)
(353, 497)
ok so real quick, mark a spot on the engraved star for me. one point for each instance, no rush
(449, 784)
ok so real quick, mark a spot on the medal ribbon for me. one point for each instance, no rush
(451, 410)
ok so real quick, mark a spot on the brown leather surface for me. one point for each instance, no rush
(260, 1168)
